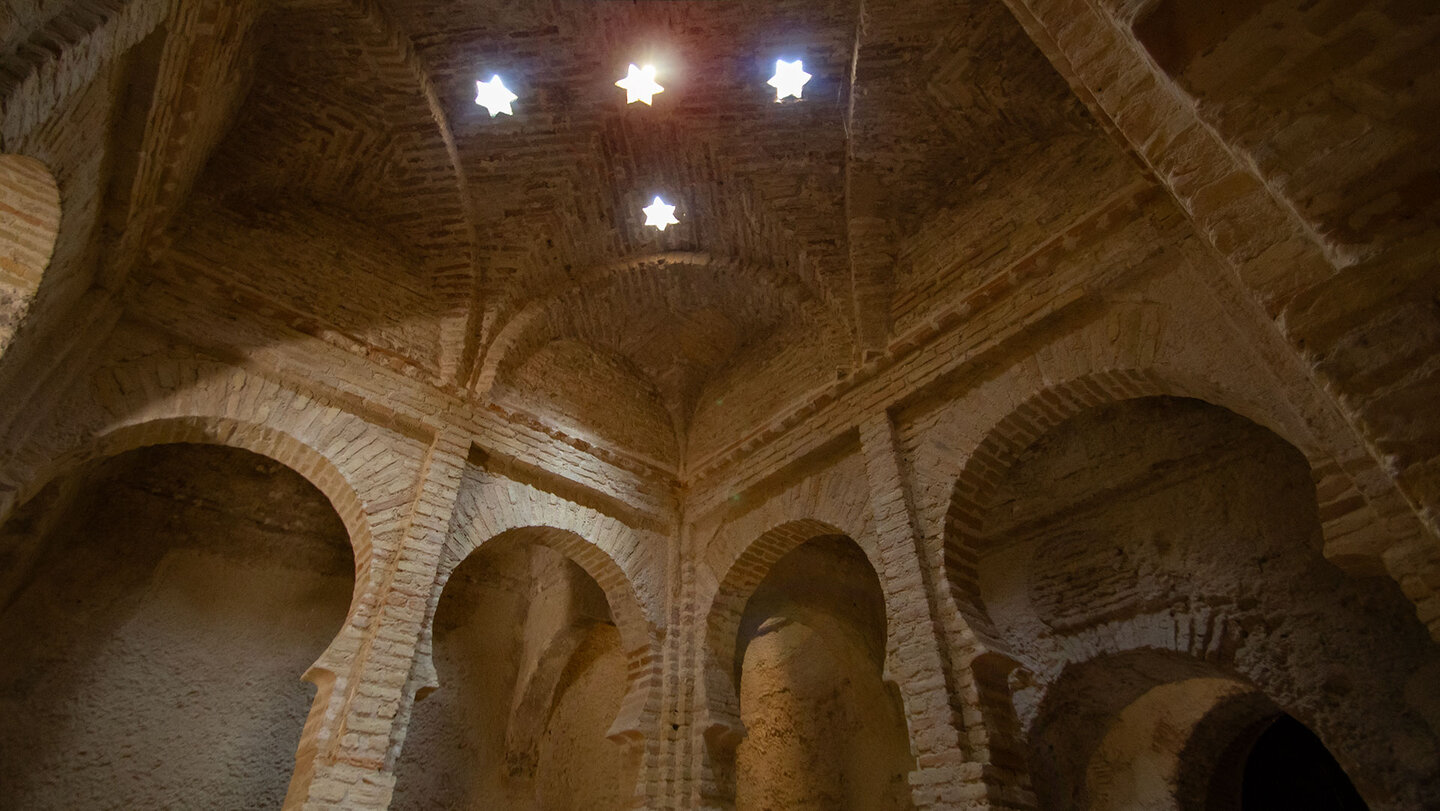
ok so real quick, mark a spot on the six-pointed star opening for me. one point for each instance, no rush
(789, 78)
(639, 84)
(660, 214)
(494, 96)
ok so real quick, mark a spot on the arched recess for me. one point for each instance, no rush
(722, 725)
(1003, 442)
(1356, 539)
(523, 628)
(824, 727)
(636, 718)
(829, 503)
(300, 463)
(368, 472)
(742, 566)
(308, 462)
(621, 559)
(29, 224)
(1170, 526)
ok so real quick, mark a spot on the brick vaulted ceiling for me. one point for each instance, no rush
(517, 263)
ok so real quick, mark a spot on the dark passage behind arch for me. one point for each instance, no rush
(1288, 767)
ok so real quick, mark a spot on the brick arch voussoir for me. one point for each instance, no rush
(256, 438)
(267, 440)
(616, 547)
(1165, 662)
(151, 402)
(1200, 632)
(280, 446)
(836, 499)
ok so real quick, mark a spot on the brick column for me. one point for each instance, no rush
(938, 710)
(681, 755)
(364, 701)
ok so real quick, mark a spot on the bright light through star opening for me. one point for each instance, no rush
(639, 84)
(789, 79)
(659, 214)
(494, 96)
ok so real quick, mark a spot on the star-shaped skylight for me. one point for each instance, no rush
(494, 96)
(789, 78)
(660, 214)
(639, 84)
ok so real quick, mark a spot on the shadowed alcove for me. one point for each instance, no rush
(157, 611)
(825, 731)
(532, 675)
(1287, 764)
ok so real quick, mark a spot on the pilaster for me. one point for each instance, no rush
(366, 689)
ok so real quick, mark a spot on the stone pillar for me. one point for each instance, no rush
(939, 711)
(348, 750)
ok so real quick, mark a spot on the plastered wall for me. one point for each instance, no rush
(159, 629)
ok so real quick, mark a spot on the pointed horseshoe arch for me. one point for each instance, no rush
(636, 633)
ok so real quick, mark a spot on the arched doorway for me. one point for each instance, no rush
(158, 609)
(824, 730)
(532, 676)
